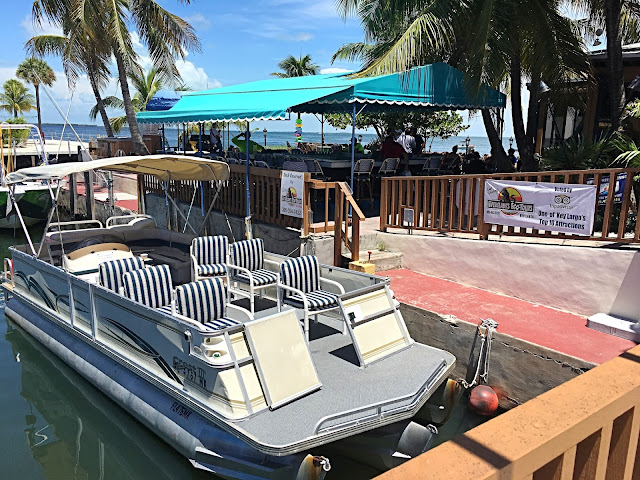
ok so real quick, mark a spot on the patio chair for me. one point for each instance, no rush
(432, 165)
(314, 167)
(389, 167)
(205, 302)
(261, 164)
(111, 272)
(299, 286)
(151, 287)
(209, 257)
(362, 172)
(246, 266)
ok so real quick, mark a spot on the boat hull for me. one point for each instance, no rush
(34, 204)
(206, 445)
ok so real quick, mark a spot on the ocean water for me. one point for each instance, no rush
(86, 132)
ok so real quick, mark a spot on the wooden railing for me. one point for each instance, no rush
(587, 428)
(455, 204)
(264, 187)
(327, 190)
(347, 214)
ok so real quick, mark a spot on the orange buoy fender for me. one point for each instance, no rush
(483, 400)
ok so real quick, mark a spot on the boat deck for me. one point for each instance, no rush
(346, 387)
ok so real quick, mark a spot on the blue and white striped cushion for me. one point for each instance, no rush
(210, 250)
(166, 309)
(212, 270)
(202, 301)
(111, 272)
(302, 273)
(149, 286)
(222, 323)
(318, 300)
(248, 254)
(260, 277)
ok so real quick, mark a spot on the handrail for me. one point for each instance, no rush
(74, 223)
(414, 399)
(347, 212)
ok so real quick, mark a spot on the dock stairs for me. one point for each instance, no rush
(380, 257)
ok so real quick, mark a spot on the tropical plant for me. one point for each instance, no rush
(578, 154)
(81, 48)
(166, 36)
(509, 42)
(36, 71)
(18, 136)
(146, 86)
(629, 151)
(296, 67)
(16, 98)
(621, 19)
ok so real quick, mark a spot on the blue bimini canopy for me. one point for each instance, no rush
(436, 87)
(163, 100)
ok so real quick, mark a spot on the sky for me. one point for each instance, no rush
(241, 42)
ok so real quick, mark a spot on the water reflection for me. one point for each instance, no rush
(75, 432)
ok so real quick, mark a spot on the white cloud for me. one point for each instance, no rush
(303, 37)
(195, 77)
(198, 21)
(31, 29)
(335, 70)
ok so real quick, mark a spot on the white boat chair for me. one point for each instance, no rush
(246, 266)
(209, 257)
(111, 273)
(299, 286)
(205, 302)
(152, 287)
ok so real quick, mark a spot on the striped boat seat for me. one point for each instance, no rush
(149, 286)
(213, 270)
(210, 255)
(318, 300)
(111, 272)
(303, 273)
(260, 277)
(204, 301)
(248, 254)
(166, 309)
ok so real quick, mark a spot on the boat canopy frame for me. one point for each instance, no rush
(163, 167)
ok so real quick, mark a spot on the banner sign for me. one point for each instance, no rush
(291, 192)
(621, 179)
(556, 207)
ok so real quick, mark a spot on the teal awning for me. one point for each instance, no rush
(437, 87)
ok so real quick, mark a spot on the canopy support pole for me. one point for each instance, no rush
(247, 220)
(164, 141)
(204, 222)
(178, 209)
(54, 206)
(200, 139)
(24, 227)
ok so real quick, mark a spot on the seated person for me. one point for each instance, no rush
(391, 149)
(513, 160)
(475, 164)
(359, 148)
(452, 160)
(420, 143)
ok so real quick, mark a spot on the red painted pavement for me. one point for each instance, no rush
(555, 329)
(128, 204)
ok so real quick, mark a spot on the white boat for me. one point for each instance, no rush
(321, 360)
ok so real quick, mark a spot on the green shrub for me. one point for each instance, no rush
(18, 136)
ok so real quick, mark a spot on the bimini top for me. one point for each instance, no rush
(163, 167)
(437, 86)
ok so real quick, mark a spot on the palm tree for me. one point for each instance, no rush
(16, 98)
(296, 67)
(621, 19)
(511, 40)
(165, 35)
(146, 85)
(36, 71)
(81, 51)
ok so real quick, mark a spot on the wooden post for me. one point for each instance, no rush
(483, 228)
(72, 195)
(384, 202)
(88, 192)
(306, 211)
(337, 228)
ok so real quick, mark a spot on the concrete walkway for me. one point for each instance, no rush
(555, 329)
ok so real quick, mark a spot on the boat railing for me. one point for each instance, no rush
(360, 415)
(78, 224)
(131, 218)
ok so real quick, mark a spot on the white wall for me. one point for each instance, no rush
(583, 280)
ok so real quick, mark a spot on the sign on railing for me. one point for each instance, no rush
(556, 207)
(291, 194)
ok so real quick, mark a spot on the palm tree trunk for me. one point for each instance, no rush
(497, 150)
(138, 144)
(613, 12)
(524, 149)
(99, 102)
(37, 87)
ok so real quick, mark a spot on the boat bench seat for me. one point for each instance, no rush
(150, 286)
(111, 272)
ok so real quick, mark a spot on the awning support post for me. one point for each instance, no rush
(353, 142)
(199, 139)
(247, 220)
